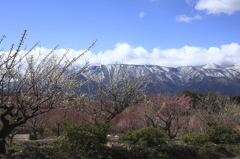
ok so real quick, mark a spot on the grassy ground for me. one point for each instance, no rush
(17, 148)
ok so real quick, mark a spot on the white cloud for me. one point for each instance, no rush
(218, 6)
(187, 55)
(142, 14)
(184, 18)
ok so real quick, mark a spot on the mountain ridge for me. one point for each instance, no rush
(224, 78)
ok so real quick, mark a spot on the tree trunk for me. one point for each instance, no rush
(2, 146)
(58, 129)
(4, 132)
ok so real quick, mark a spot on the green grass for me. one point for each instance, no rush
(16, 148)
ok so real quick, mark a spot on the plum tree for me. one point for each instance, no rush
(169, 113)
(33, 83)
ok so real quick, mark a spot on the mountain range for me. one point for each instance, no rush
(223, 78)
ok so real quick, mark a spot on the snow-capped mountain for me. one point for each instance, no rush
(223, 78)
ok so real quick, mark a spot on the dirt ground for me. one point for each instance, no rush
(23, 140)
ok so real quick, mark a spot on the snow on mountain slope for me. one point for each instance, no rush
(223, 78)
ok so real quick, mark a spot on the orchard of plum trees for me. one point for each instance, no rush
(35, 96)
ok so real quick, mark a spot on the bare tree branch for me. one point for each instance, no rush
(117, 90)
(29, 87)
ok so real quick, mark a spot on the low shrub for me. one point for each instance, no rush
(32, 137)
(81, 140)
(179, 151)
(196, 138)
(196, 152)
(140, 152)
(33, 152)
(223, 135)
(216, 151)
(147, 136)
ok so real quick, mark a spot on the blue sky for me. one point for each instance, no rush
(161, 32)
